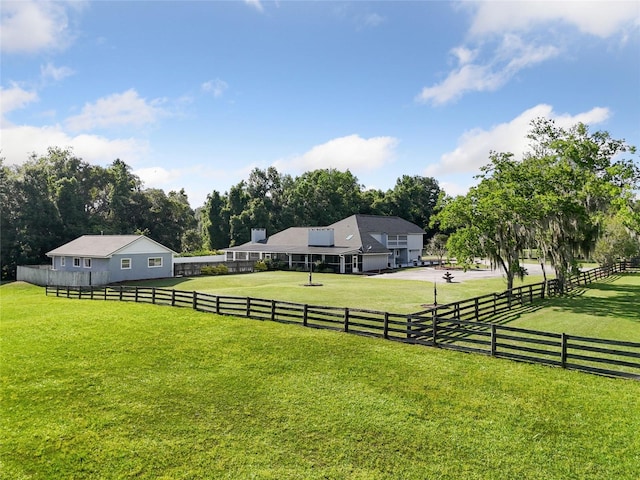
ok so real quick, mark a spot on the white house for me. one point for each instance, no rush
(359, 243)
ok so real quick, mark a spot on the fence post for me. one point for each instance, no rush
(273, 310)
(79, 293)
(195, 300)
(493, 339)
(67, 291)
(563, 352)
(530, 293)
(173, 297)
(346, 319)
(153, 295)
(434, 330)
(305, 311)
(494, 303)
(477, 310)
(385, 330)
(121, 287)
(136, 295)
(248, 311)
(217, 305)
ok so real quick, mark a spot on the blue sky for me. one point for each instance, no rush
(195, 95)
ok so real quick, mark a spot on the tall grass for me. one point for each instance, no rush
(119, 390)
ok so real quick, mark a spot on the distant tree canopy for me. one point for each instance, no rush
(317, 198)
(54, 198)
(554, 199)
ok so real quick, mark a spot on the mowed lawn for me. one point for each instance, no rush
(609, 308)
(354, 291)
(94, 389)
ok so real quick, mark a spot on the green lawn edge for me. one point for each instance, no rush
(119, 390)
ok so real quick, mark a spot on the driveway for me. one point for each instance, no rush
(430, 274)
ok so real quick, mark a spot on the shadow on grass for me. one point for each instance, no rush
(622, 300)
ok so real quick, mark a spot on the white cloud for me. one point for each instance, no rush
(50, 71)
(257, 4)
(511, 56)
(474, 146)
(515, 24)
(157, 177)
(15, 98)
(217, 87)
(602, 19)
(370, 20)
(28, 26)
(351, 152)
(464, 54)
(18, 142)
(119, 109)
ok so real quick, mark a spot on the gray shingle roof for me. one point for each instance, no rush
(350, 235)
(97, 246)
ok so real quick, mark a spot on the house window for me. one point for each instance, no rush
(76, 262)
(87, 262)
(62, 261)
(155, 262)
(397, 241)
(125, 263)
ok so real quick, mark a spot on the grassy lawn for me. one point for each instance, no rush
(398, 296)
(607, 309)
(118, 390)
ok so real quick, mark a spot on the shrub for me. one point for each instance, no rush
(221, 269)
(260, 266)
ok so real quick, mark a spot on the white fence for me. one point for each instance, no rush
(43, 275)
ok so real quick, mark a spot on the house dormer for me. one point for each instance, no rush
(320, 237)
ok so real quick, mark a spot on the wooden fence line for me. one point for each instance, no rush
(455, 326)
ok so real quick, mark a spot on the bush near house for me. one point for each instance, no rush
(215, 270)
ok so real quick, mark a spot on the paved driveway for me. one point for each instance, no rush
(430, 274)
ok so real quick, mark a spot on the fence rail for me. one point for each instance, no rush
(456, 326)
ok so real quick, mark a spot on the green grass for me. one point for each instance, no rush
(606, 309)
(119, 390)
(383, 294)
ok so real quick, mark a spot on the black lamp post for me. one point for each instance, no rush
(435, 294)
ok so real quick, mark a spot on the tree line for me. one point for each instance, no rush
(54, 198)
(571, 196)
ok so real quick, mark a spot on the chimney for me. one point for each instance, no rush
(258, 235)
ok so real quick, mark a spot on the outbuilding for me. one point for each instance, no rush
(113, 258)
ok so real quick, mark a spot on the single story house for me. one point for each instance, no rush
(114, 258)
(359, 243)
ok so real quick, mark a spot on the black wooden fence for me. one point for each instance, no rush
(456, 326)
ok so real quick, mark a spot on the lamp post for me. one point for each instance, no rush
(435, 294)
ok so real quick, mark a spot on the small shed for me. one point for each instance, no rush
(113, 258)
